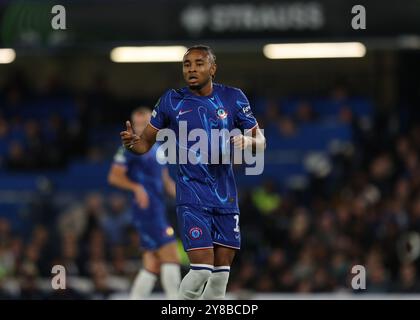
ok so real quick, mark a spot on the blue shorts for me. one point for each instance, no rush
(152, 226)
(201, 227)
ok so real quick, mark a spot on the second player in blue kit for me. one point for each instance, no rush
(151, 222)
(148, 180)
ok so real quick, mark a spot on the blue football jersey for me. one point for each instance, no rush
(151, 223)
(143, 169)
(205, 184)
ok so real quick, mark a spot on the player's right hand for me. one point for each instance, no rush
(141, 196)
(128, 137)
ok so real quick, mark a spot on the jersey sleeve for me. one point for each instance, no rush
(160, 119)
(244, 119)
(121, 157)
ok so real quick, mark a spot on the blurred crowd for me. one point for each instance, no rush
(92, 239)
(45, 129)
(366, 211)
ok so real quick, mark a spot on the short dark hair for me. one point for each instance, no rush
(203, 48)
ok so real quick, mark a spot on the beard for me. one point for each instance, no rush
(197, 87)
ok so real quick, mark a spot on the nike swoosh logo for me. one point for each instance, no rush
(180, 113)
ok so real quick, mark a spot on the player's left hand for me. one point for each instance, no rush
(241, 142)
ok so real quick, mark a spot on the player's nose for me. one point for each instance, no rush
(192, 74)
(191, 68)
